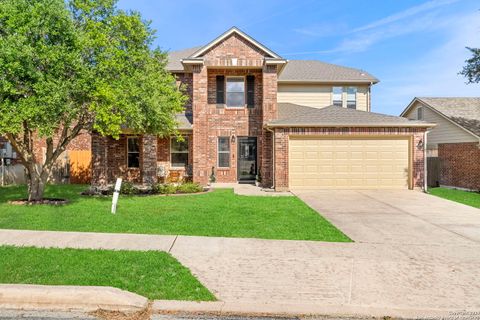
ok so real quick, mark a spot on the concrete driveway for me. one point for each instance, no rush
(396, 216)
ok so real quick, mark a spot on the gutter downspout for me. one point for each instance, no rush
(425, 169)
(273, 155)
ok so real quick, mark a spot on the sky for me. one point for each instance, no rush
(415, 48)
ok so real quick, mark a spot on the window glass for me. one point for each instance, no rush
(337, 96)
(179, 152)
(235, 92)
(352, 97)
(420, 113)
(223, 152)
(133, 152)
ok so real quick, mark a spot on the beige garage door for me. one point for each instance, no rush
(318, 163)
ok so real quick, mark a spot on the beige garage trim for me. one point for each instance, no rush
(338, 162)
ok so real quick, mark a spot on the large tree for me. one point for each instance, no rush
(472, 68)
(67, 66)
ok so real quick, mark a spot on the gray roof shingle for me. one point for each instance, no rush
(463, 111)
(184, 121)
(314, 70)
(292, 115)
(295, 70)
(174, 58)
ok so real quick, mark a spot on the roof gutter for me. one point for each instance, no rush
(346, 81)
(350, 125)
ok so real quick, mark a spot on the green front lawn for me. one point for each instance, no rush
(155, 275)
(465, 197)
(220, 213)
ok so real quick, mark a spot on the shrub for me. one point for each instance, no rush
(189, 187)
(128, 188)
(164, 188)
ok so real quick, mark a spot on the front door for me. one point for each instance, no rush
(247, 158)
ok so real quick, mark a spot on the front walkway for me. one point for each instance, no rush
(377, 275)
(245, 189)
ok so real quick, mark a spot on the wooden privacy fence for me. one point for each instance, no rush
(433, 171)
(80, 166)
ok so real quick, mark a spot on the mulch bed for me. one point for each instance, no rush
(48, 201)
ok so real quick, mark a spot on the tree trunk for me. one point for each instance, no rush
(36, 184)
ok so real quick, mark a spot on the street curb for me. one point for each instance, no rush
(241, 308)
(81, 298)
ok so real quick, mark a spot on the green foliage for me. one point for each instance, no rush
(469, 198)
(155, 275)
(128, 188)
(82, 62)
(189, 187)
(472, 68)
(164, 188)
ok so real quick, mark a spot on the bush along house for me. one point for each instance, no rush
(253, 114)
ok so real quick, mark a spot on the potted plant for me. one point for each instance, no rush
(212, 176)
(258, 180)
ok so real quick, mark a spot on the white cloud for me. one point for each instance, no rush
(362, 38)
(410, 12)
(434, 73)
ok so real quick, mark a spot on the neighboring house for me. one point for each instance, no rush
(73, 166)
(455, 140)
(295, 124)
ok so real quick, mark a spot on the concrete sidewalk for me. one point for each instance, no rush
(307, 274)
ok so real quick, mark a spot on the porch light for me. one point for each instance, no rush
(420, 145)
(232, 139)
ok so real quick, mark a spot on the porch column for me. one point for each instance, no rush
(99, 160)
(201, 168)
(149, 159)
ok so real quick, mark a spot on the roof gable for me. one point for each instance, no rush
(461, 111)
(234, 30)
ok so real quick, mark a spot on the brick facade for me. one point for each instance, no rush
(460, 165)
(282, 138)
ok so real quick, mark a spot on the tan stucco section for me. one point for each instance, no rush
(318, 95)
(444, 132)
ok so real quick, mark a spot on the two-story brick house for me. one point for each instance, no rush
(297, 124)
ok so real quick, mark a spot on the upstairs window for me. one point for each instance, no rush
(133, 152)
(235, 92)
(179, 152)
(352, 97)
(337, 96)
(419, 113)
(223, 152)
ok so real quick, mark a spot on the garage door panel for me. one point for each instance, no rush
(343, 163)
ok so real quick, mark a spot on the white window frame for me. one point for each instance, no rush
(175, 152)
(133, 152)
(244, 92)
(341, 95)
(355, 95)
(223, 152)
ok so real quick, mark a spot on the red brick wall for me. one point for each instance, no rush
(163, 154)
(186, 80)
(281, 148)
(211, 121)
(234, 47)
(460, 165)
(109, 159)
